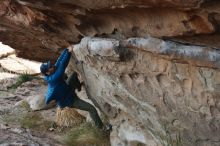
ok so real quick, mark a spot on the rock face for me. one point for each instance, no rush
(20, 66)
(154, 89)
(37, 29)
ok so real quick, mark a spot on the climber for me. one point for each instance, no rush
(63, 92)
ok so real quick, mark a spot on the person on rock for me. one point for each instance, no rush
(63, 91)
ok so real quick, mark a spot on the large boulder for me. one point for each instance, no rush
(155, 92)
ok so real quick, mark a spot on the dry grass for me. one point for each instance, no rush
(25, 105)
(86, 135)
(30, 120)
(68, 117)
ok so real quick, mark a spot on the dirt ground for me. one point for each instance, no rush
(19, 125)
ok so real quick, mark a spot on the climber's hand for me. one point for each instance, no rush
(70, 48)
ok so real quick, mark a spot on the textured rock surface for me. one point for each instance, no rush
(20, 66)
(149, 87)
(5, 51)
(36, 29)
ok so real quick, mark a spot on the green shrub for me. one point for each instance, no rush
(21, 79)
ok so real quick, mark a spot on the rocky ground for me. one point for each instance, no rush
(17, 125)
(24, 117)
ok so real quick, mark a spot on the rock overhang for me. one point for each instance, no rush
(35, 29)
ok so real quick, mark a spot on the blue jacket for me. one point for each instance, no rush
(57, 88)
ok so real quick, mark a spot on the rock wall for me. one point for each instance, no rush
(154, 91)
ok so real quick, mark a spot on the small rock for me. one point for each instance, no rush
(4, 126)
(5, 50)
(51, 129)
(37, 102)
(17, 130)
